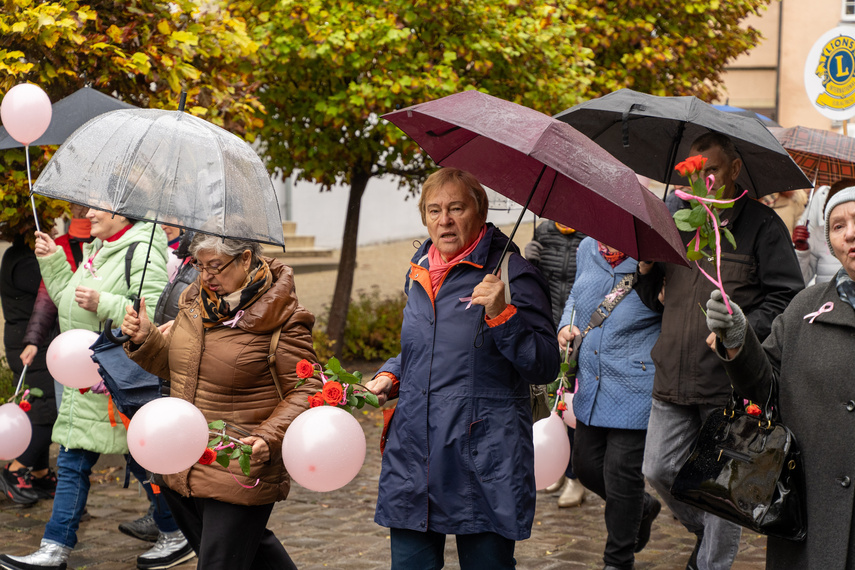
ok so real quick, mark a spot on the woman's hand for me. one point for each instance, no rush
(260, 450)
(380, 386)
(165, 328)
(136, 324)
(87, 298)
(566, 336)
(45, 245)
(491, 294)
(28, 354)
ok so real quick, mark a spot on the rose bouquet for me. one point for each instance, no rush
(340, 388)
(703, 218)
(224, 448)
(22, 394)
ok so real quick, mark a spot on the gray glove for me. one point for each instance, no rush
(532, 251)
(729, 328)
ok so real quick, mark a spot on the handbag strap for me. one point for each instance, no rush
(271, 360)
(618, 293)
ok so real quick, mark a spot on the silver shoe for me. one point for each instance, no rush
(49, 556)
(171, 549)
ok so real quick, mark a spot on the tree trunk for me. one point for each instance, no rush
(347, 263)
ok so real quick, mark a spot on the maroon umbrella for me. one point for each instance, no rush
(547, 165)
(824, 156)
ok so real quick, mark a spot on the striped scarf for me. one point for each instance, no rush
(217, 309)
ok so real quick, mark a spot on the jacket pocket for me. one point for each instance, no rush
(480, 451)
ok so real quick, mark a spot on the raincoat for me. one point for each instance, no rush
(459, 455)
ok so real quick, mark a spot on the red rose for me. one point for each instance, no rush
(25, 406)
(316, 400)
(333, 393)
(697, 162)
(562, 406)
(753, 409)
(208, 456)
(305, 369)
(682, 168)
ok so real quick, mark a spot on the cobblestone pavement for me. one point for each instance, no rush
(336, 530)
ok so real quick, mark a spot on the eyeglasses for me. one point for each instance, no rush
(213, 270)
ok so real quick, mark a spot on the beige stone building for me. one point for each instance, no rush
(770, 78)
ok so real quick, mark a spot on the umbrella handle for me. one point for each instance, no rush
(108, 327)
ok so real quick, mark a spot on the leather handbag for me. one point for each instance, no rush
(748, 470)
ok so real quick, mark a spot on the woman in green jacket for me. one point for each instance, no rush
(97, 291)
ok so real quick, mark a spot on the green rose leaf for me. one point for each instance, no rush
(219, 424)
(244, 464)
(372, 399)
(223, 459)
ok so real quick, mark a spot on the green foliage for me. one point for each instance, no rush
(231, 447)
(373, 328)
(142, 51)
(665, 47)
(7, 381)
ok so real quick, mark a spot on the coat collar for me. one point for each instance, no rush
(841, 315)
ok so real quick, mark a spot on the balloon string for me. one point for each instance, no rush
(30, 182)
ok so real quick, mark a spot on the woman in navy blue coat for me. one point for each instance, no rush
(459, 457)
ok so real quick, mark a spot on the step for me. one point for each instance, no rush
(294, 242)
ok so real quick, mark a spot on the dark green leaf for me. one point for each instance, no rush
(235, 454)
(244, 464)
(37, 392)
(223, 459)
(681, 218)
(729, 237)
(697, 216)
(372, 399)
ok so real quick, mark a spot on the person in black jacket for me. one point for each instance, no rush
(553, 251)
(29, 477)
(762, 276)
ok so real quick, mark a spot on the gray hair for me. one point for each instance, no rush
(226, 247)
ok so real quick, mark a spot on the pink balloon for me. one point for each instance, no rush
(167, 435)
(551, 450)
(69, 359)
(324, 448)
(569, 416)
(15, 431)
(25, 112)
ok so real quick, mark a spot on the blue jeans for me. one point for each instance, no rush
(73, 467)
(161, 514)
(671, 434)
(415, 550)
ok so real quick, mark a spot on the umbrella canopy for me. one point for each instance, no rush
(552, 169)
(650, 134)
(768, 122)
(68, 114)
(166, 167)
(824, 156)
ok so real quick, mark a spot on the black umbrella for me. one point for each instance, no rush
(650, 134)
(68, 114)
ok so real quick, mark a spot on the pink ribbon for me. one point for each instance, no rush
(88, 266)
(465, 300)
(233, 322)
(823, 309)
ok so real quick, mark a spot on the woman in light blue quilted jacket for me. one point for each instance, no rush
(612, 405)
(85, 298)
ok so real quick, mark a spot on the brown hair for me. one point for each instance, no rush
(462, 178)
(710, 139)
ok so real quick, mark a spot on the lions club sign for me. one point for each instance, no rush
(830, 73)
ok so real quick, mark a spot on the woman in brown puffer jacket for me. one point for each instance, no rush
(215, 355)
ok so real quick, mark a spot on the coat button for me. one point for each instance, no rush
(850, 406)
(844, 481)
(424, 392)
(595, 352)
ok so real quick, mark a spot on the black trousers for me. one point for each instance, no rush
(37, 454)
(608, 462)
(226, 536)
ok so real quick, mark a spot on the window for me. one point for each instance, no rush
(848, 11)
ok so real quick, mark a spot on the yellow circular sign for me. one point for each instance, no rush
(830, 74)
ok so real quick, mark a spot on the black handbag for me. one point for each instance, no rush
(748, 470)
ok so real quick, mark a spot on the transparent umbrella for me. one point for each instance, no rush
(166, 167)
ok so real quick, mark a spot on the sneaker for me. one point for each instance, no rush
(49, 556)
(143, 528)
(17, 486)
(45, 487)
(557, 486)
(651, 511)
(171, 549)
(572, 495)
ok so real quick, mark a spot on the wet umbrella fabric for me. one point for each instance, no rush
(68, 114)
(766, 121)
(650, 134)
(824, 156)
(166, 167)
(544, 164)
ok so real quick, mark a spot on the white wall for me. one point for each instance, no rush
(387, 214)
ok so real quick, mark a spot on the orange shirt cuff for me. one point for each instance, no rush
(396, 384)
(502, 317)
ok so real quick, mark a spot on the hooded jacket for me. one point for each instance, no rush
(459, 456)
(557, 262)
(84, 420)
(223, 371)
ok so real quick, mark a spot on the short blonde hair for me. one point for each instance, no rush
(462, 178)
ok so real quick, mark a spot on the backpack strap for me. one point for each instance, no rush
(129, 258)
(271, 360)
